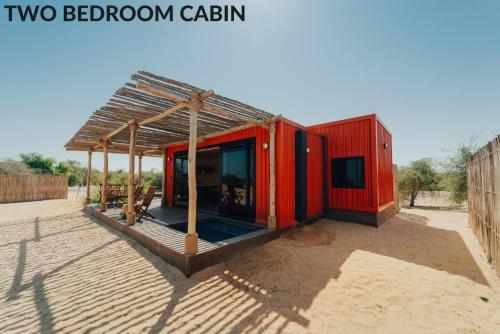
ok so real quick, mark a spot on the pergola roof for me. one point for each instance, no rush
(146, 100)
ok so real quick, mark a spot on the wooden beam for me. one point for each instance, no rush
(98, 144)
(160, 93)
(164, 114)
(131, 160)
(271, 220)
(89, 175)
(104, 190)
(115, 131)
(156, 150)
(139, 170)
(215, 134)
(191, 240)
(234, 117)
(144, 86)
(206, 94)
(226, 132)
(164, 179)
(150, 153)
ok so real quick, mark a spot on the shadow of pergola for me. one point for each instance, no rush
(118, 286)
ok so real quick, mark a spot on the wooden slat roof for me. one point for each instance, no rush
(131, 103)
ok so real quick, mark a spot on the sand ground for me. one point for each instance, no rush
(423, 271)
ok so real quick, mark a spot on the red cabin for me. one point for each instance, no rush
(236, 165)
(341, 170)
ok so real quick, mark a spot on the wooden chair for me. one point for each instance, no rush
(141, 209)
(138, 193)
(113, 193)
(124, 193)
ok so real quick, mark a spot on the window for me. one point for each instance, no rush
(348, 172)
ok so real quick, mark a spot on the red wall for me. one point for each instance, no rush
(285, 174)
(314, 176)
(285, 171)
(261, 167)
(360, 136)
(347, 138)
(384, 173)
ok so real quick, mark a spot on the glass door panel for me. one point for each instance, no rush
(181, 193)
(237, 181)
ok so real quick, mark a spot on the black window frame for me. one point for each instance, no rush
(341, 182)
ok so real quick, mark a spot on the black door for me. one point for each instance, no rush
(234, 194)
(300, 175)
(181, 193)
(237, 186)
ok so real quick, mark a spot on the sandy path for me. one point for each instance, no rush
(422, 271)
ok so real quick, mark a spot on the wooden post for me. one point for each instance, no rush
(164, 179)
(139, 172)
(131, 161)
(271, 220)
(104, 191)
(191, 240)
(89, 175)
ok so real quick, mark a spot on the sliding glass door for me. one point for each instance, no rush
(237, 189)
(225, 180)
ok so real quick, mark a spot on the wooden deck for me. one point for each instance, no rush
(168, 243)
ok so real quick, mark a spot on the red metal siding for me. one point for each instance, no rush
(261, 167)
(385, 182)
(285, 174)
(314, 176)
(349, 138)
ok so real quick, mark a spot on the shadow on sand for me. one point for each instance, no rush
(235, 291)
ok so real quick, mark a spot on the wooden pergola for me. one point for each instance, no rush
(148, 115)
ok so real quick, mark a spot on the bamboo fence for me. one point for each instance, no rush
(395, 187)
(25, 188)
(484, 199)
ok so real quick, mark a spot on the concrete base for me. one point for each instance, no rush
(271, 222)
(191, 244)
(361, 217)
(131, 218)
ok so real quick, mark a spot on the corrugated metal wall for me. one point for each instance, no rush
(314, 176)
(261, 167)
(361, 136)
(385, 179)
(285, 174)
(350, 138)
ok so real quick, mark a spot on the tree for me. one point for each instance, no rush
(118, 177)
(456, 172)
(152, 178)
(419, 175)
(38, 163)
(12, 167)
(74, 170)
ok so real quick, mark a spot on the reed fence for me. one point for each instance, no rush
(484, 199)
(25, 188)
(395, 187)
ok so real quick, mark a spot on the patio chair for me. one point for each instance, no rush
(124, 193)
(138, 193)
(112, 194)
(141, 208)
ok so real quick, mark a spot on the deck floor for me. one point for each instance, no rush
(157, 229)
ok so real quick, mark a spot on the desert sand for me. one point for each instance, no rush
(422, 271)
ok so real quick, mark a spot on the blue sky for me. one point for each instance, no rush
(429, 69)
